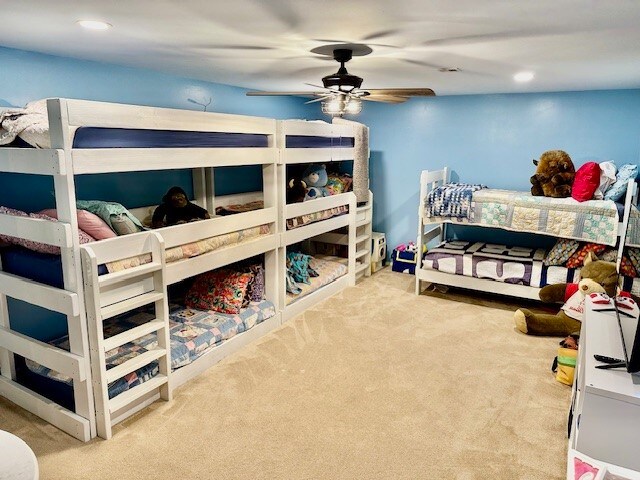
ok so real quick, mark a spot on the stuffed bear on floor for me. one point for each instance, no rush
(554, 175)
(596, 276)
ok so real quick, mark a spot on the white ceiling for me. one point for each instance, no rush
(265, 44)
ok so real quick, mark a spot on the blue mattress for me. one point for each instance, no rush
(39, 267)
(307, 141)
(102, 137)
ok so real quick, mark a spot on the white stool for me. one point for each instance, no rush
(17, 460)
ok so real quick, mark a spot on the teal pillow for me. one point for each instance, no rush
(616, 191)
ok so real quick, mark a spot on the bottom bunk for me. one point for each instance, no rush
(193, 333)
(507, 270)
(322, 269)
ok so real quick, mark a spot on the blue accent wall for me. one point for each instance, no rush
(489, 139)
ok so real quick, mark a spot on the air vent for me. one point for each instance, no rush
(449, 69)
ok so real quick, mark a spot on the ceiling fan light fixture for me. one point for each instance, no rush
(333, 106)
(354, 106)
(523, 77)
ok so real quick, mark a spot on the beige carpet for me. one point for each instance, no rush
(373, 383)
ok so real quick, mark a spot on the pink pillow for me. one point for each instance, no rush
(30, 244)
(586, 182)
(89, 222)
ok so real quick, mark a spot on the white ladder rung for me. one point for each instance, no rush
(134, 364)
(116, 277)
(361, 267)
(362, 223)
(361, 253)
(132, 334)
(131, 304)
(362, 238)
(131, 395)
(364, 208)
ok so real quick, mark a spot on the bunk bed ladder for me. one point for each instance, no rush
(132, 400)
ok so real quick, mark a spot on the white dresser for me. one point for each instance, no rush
(605, 403)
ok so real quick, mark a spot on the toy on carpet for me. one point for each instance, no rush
(596, 276)
(554, 175)
(315, 178)
(296, 191)
(176, 208)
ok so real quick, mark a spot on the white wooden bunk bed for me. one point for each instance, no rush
(319, 142)
(121, 291)
(613, 232)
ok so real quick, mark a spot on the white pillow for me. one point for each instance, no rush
(607, 178)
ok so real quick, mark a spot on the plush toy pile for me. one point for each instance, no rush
(317, 183)
(557, 177)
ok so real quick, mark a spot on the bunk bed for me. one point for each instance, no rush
(93, 137)
(515, 271)
(304, 142)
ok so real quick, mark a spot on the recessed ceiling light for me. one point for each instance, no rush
(449, 69)
(94, 24)
(523, 76)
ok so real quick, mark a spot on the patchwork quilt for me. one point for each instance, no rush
(303, 220)
(592, 221)
(452, 200)
(192, 333)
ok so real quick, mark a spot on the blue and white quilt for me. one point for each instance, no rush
(451, 200)
(192, 333)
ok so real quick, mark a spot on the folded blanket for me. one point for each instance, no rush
(30, 123)
(451, 200)
(109, 211)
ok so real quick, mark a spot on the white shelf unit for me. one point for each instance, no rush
(321, 230)
(606, 403)
(123, 291)
(428, 231)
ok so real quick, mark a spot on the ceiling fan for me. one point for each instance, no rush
(341, 93)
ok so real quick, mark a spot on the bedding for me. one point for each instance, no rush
(452, 200)
(328, 268)
(239, 208)
(194, 249)
(592, 221)
(516, 265)
(303, 220)
(221, 291)
(192, 333)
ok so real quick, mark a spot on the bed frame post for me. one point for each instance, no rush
(199, 179)
(423, 192)
(65, 193)
(7, 359)
(629, 200)
(352, 240)
(209, 181)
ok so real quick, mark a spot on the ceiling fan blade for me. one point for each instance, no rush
(324, 88)
(385, 98)
(402, 92)
(273, 94)
(324, 97)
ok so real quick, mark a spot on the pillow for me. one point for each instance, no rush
(577, 259)
(619, 188)
(634, 256)
(561, 252)
(220, 290)
(607, 178)
(255, 289)
(88, 222)
(626, 267)
(30, 244)
(123, 225)
(586, 182)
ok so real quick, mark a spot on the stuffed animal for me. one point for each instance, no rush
(554, 175)
(176, 208)
(296, 191)
(316, 178)
(596, 276)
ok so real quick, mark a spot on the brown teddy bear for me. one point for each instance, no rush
(554, 175)
(596, 276)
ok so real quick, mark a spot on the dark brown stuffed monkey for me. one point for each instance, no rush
(176, 208)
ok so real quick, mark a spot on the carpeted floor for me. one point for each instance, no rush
(374, 383)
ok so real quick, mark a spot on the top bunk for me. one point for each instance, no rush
(595, 221)
(86, 137)
(305, 141)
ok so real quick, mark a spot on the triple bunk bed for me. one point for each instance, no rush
(517, 271)
(129, 340)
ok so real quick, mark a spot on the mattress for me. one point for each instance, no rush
(592, 221)
(192, 334)
(507, 264)
(101, 137)
(329, 269)
(313, 217)
(309, 141)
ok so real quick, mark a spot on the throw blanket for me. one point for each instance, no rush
(30, 123)
(298, 271)
(361, 159)
(451, 200)
(106, 210)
